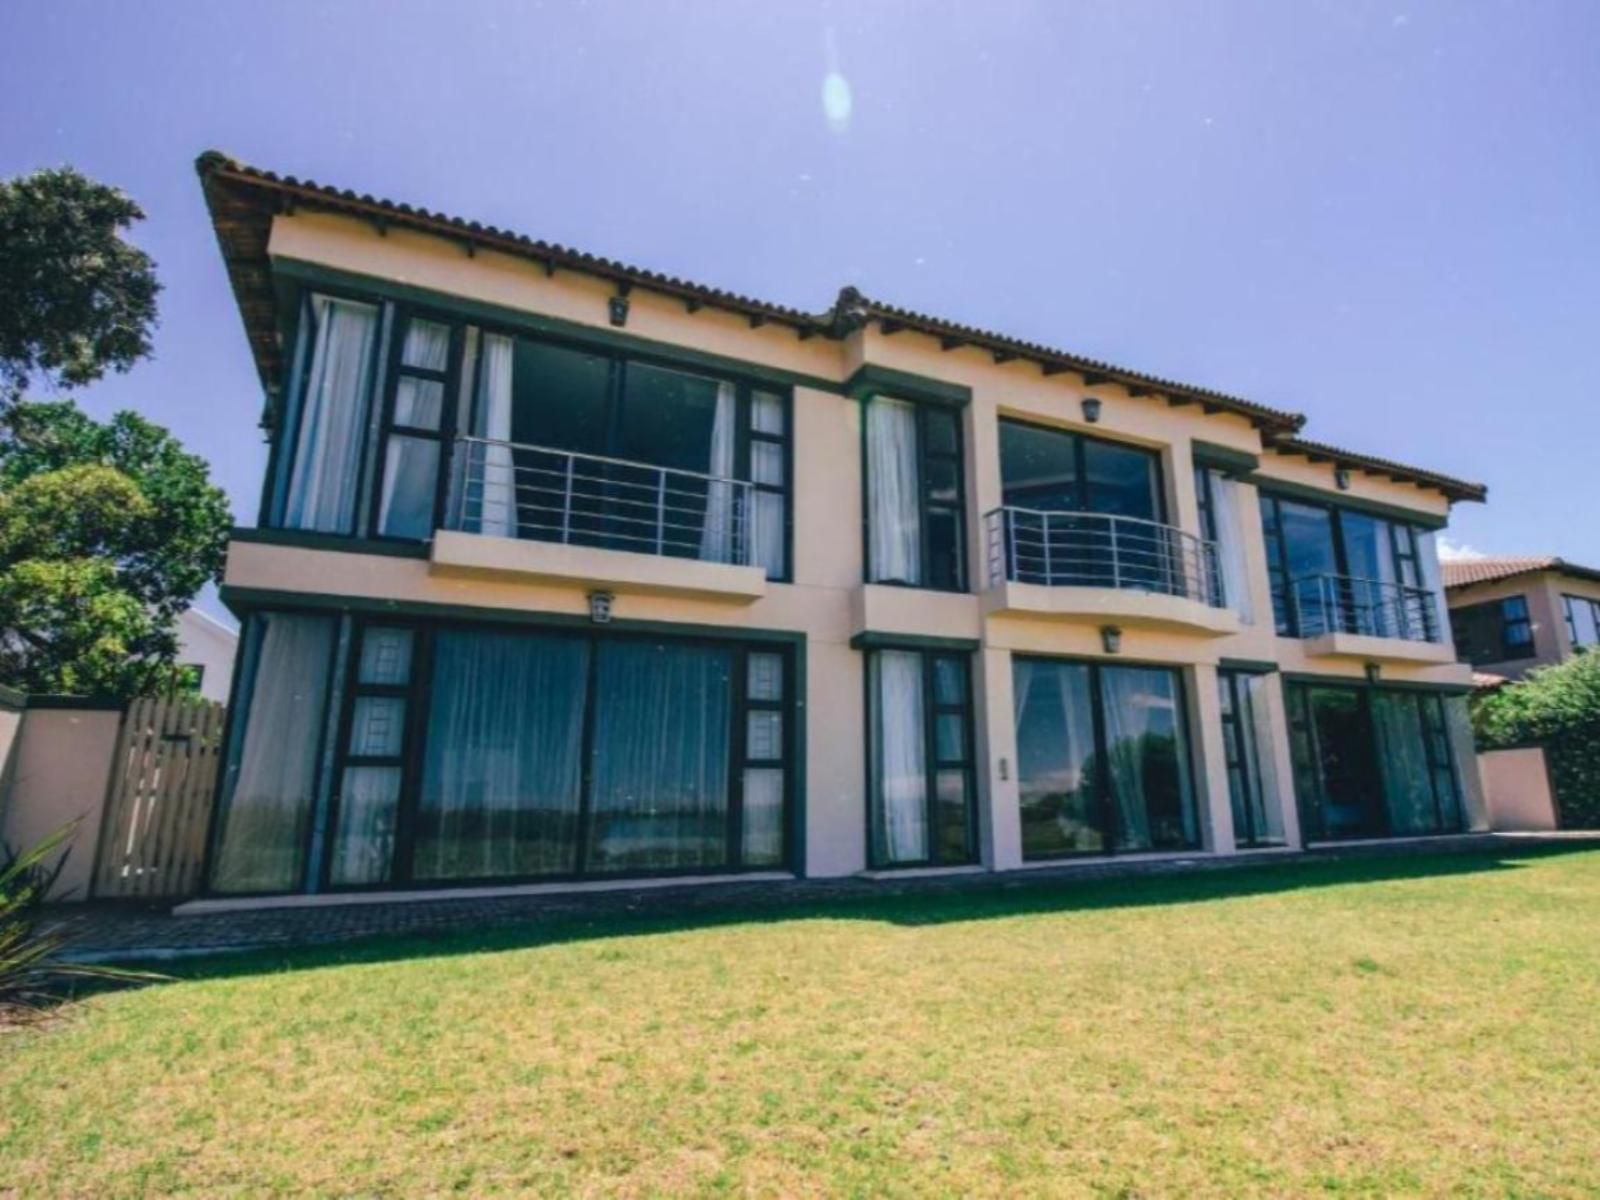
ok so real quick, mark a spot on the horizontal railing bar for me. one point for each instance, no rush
(599, 458)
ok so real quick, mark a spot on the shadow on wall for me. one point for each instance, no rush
(472, 926)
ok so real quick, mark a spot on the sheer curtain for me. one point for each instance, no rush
(1432, 579)
(500, 782)
(1407, 784)
(1225, 502)
(261, 842)
(1149, 767)
(717, 533)
(496, 506)
(333, 410)
(663, 715)
(899, 759)
(1255, 728)
(893, 492)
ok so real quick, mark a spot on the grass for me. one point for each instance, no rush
(1422, 1026)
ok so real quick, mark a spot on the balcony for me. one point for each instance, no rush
(558, 516)
(1349, 617)
(1101, 566)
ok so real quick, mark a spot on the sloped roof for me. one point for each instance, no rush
(1455, 489)
(1467, 571)
(243, 199)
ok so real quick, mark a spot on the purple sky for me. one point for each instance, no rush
(1384, 215)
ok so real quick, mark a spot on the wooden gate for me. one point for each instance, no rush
(158, 802)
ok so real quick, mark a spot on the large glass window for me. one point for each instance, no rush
(914, 495)
(1583, 620)
(1247, 749)
(1372, 762)
(920, 752)
(587, 448)
(1102, 759)
(490, 753)
(1336, 569)
(1047, 474)
(327, 430)
(269, 792)
(419, 422)
(1493, 632)
(1218, 497)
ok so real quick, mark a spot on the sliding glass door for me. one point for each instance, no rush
(1372, 762)
(1102, 759)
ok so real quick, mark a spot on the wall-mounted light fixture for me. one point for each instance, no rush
(600, 607)
(618, 305)
(1110, 638)
(1372, 671)
(1091, 409)
(1005, 768)
(1341, 476)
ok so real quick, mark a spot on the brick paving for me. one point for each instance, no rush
(107, 932)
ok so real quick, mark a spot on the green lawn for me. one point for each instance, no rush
(1424, 1025)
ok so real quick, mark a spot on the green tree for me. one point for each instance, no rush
(75, 299)
(1558, 708)
(107, 531)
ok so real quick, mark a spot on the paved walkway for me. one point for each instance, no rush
(105, 932)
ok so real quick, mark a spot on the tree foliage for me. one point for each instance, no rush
(107, 531)
(75, 299)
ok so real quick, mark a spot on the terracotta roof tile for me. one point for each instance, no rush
(1464, 572)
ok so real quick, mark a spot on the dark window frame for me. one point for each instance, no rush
(1236, 757)
(388, 346)
(615, 414)
(444, 437)
(1080, 465)
(1297, 703)
(419, 690)
(1105, 800)
(1569, 604)
(926, 505)
(1506, 613)
(932, 763)
(1407, 561)
(286, 434)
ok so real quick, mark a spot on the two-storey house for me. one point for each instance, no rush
(570, 572)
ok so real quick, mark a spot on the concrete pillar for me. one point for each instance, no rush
(999, 818)
(1211, 774)
(1276, 756)
(836, 764)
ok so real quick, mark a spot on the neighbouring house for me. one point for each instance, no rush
(569, 571)
(207, 648)
(1510, 615)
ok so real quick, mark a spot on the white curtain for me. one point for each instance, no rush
(662, 736)
(763, 817)
(893, 492)
(1407, 782)
(1255, 729)
(327, 458)
(718, 542)
(261, 843)
(363, 845)
(901, 763)
(1428, 556)
(1225, 501)
(492, 497)
(1148, 758)
(500, 782)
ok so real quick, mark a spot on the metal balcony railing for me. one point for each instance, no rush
(1373, 607)
(1076, 549)
(514, 490)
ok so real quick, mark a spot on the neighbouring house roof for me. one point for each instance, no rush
(1487, 681)
(242, 201)
(1468, 571)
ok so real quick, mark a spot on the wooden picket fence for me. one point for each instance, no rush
(158, 800)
